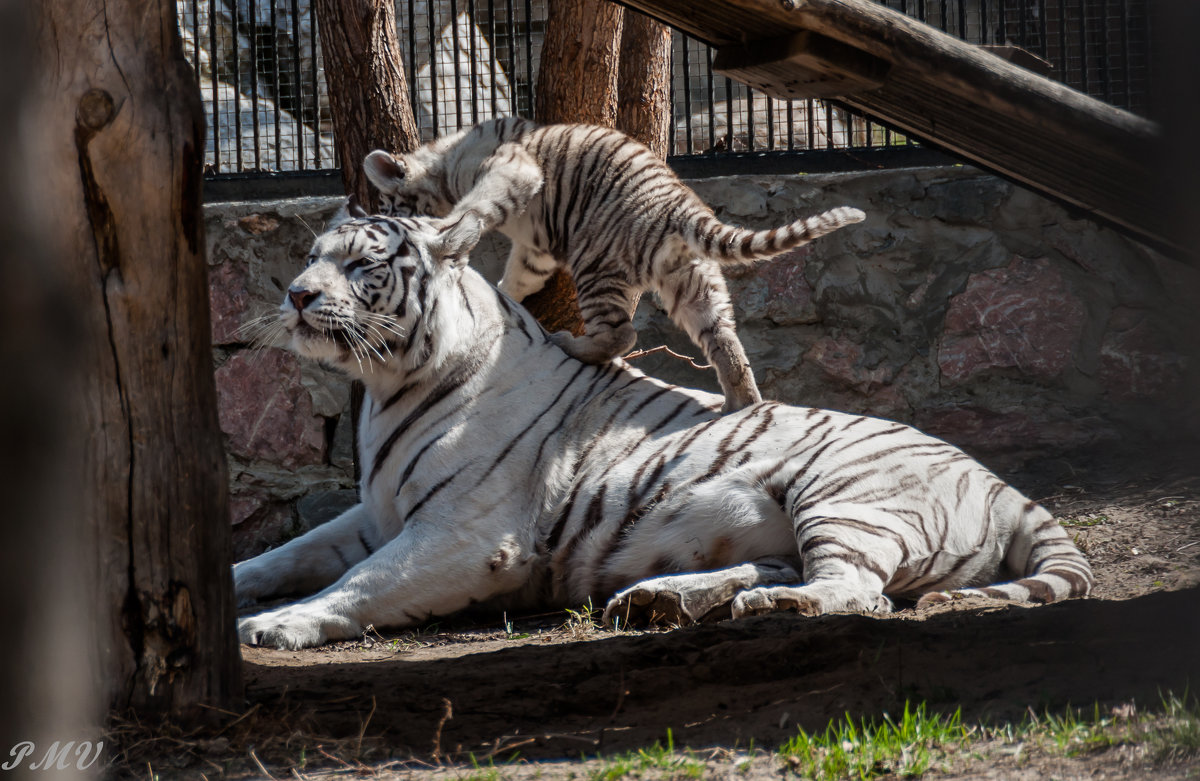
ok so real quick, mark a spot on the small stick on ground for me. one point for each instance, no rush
(447, 714)
(662, 348)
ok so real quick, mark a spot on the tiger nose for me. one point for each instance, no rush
(301, 297)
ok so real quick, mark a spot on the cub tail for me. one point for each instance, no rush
(729, 244)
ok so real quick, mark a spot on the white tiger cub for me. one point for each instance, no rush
(596, 202)
(496, 466)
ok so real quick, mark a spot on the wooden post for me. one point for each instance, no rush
(122, 138)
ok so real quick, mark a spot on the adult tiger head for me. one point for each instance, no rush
(369, 288)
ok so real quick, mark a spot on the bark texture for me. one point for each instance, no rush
(577, 82)
(368, 93)
(644, 82)
(122, 137)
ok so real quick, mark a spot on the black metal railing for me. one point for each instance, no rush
(261, 75)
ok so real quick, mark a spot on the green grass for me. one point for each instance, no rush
(919, 742)
(868, 749)
(1169, 733)
(1084, 521)
(658, 761)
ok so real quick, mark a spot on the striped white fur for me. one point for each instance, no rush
(601, 205)
(495, 466)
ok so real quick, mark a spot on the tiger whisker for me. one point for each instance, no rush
(382, 341)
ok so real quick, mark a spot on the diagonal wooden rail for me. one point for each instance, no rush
(945, 92)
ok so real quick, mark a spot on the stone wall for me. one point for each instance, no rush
(967, 306)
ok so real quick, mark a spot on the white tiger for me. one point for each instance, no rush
(495, 465)
(596, 202)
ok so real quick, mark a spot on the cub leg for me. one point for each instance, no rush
(691, 597)
(401, 584)
(606, 303)
(309, 562)
(697, 300)
(845, 566)
(525, 272)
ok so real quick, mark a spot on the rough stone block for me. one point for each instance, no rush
(266, 412)
(1024, 318)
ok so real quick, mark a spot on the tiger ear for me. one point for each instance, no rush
(383, 170)
(457, 235)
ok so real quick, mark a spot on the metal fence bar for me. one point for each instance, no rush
(414, 98)
(296, 81)
(492, 43)
(278, 91)
(216, 95)
(529, 52)
(237, 79)
(253, 26)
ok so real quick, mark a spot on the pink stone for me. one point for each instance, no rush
(841, 360)
(1136, 362)
(1024, 317)
(266, 412)
(228, 301)
(788, 293)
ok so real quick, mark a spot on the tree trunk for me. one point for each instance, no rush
(368, 98)
(577, 82)
(644, 83)
(122, 139)
(368, 94)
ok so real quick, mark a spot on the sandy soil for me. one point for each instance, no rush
(555, 687)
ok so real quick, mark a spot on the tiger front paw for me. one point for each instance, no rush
(294, 627)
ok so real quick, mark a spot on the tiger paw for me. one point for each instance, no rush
(294, 627)
(642, 606)
(758, 601)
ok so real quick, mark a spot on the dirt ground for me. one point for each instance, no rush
(553, 688)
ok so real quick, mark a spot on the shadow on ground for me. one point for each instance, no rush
(739, 682)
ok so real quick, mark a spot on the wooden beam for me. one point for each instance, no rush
(802, 65)
(956, 96)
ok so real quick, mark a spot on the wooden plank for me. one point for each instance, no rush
(802, 65)
(958, 97)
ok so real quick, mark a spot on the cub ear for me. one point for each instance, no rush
(456, 236)
(383, 170)
(349, 210)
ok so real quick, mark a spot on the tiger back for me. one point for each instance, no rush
(497, 467)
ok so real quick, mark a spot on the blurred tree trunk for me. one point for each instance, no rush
(121, 140)
(46, 683)
(368, 93)
(644, 83)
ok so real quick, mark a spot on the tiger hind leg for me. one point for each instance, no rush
(846, 566)
(606, 303)
(693, 597)
(697, 300)
(1053, 568)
